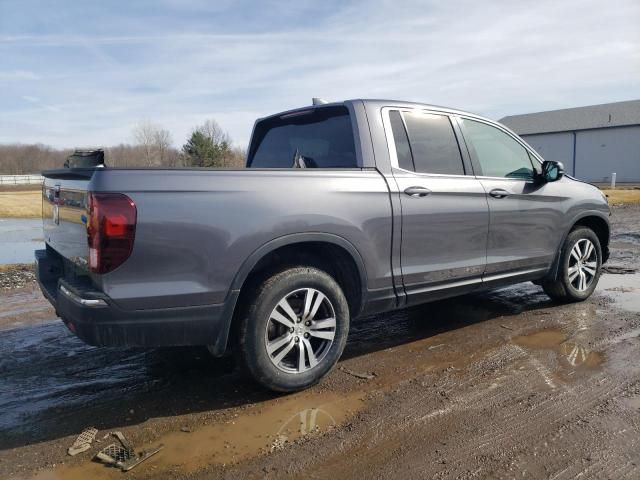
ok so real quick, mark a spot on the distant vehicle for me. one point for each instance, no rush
(344, 210)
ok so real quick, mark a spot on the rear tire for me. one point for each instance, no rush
(579, 268)
(294, 329)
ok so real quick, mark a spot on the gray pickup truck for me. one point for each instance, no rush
(344, 210)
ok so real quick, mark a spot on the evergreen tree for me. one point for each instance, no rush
(208, 146)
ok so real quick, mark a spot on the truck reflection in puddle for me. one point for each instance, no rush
(577, 355)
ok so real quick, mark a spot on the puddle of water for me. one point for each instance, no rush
(625, 290)
(257, 430)
(405, 343)
(18, 239)
(46, 371)
(542, 339)
(573, 354)
(80, 376)
(275, 425)
(577, 355)
(422, 321)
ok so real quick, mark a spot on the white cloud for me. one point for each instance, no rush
(18, 75)
(494, 58)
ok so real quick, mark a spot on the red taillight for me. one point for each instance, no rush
(111, 229)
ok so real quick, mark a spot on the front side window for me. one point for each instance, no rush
(497, 154)
(316, 138)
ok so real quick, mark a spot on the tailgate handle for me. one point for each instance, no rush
(417, 191)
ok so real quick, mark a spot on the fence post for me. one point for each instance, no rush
(613, 180)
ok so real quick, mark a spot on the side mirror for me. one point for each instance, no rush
(552, 171)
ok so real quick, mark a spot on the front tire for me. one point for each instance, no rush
(294, 330)
(579, 269)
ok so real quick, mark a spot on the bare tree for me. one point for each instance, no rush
(153, 148)
(212, 129)
(237, 158)
(144, 134)
(162, 141)
(18, 159)
(155, 142)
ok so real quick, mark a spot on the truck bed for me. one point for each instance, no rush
(198, 230)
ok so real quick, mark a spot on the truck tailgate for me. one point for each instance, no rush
(64, 214)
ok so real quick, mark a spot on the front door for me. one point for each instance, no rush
(444, 209)
(525, 215)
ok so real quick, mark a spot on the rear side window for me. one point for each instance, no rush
(433, 144)
(403, 150)
(317, 138)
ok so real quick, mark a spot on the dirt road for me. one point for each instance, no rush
(502, 384)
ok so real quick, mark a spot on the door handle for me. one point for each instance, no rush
(417, 191)
(498, 193)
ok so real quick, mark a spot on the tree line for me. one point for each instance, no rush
(207, 146)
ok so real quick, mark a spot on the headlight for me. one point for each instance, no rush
(604, 197)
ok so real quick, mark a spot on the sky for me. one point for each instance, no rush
(78, 73)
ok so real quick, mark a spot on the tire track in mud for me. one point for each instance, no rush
(24, 307)
(610, 423)
(391, 430)
(549, 411)
(574, 402)
(559, 406)
(447, 383)
(490, 389)
(600, 461)
(508, 435)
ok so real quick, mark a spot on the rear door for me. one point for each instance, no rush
(444, 210)
(525, 217)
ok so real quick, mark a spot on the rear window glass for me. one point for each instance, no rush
(318, 138)
(433, 144)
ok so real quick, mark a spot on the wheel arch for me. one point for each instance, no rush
(594, 220)
(600, 227)
(344, 262)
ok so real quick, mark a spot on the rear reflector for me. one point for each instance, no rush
(111, 230)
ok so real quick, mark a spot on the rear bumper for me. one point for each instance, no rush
(94, 317)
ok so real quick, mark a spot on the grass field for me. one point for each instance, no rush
(618, 196)
(26, 202)
(16, 267)
(20, 203)
(20, 188)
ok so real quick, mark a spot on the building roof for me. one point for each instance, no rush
(617, 114)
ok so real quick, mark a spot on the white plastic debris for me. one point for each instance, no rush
(83, 442)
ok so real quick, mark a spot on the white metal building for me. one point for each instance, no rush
(592, 142)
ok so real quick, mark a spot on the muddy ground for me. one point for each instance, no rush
(502, 384)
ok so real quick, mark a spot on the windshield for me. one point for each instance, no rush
(318, 138)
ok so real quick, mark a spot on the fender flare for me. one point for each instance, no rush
(553, 271)
(219, 346)
(292, 239)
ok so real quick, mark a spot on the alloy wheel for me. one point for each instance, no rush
(583, 265)
(300, 330)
